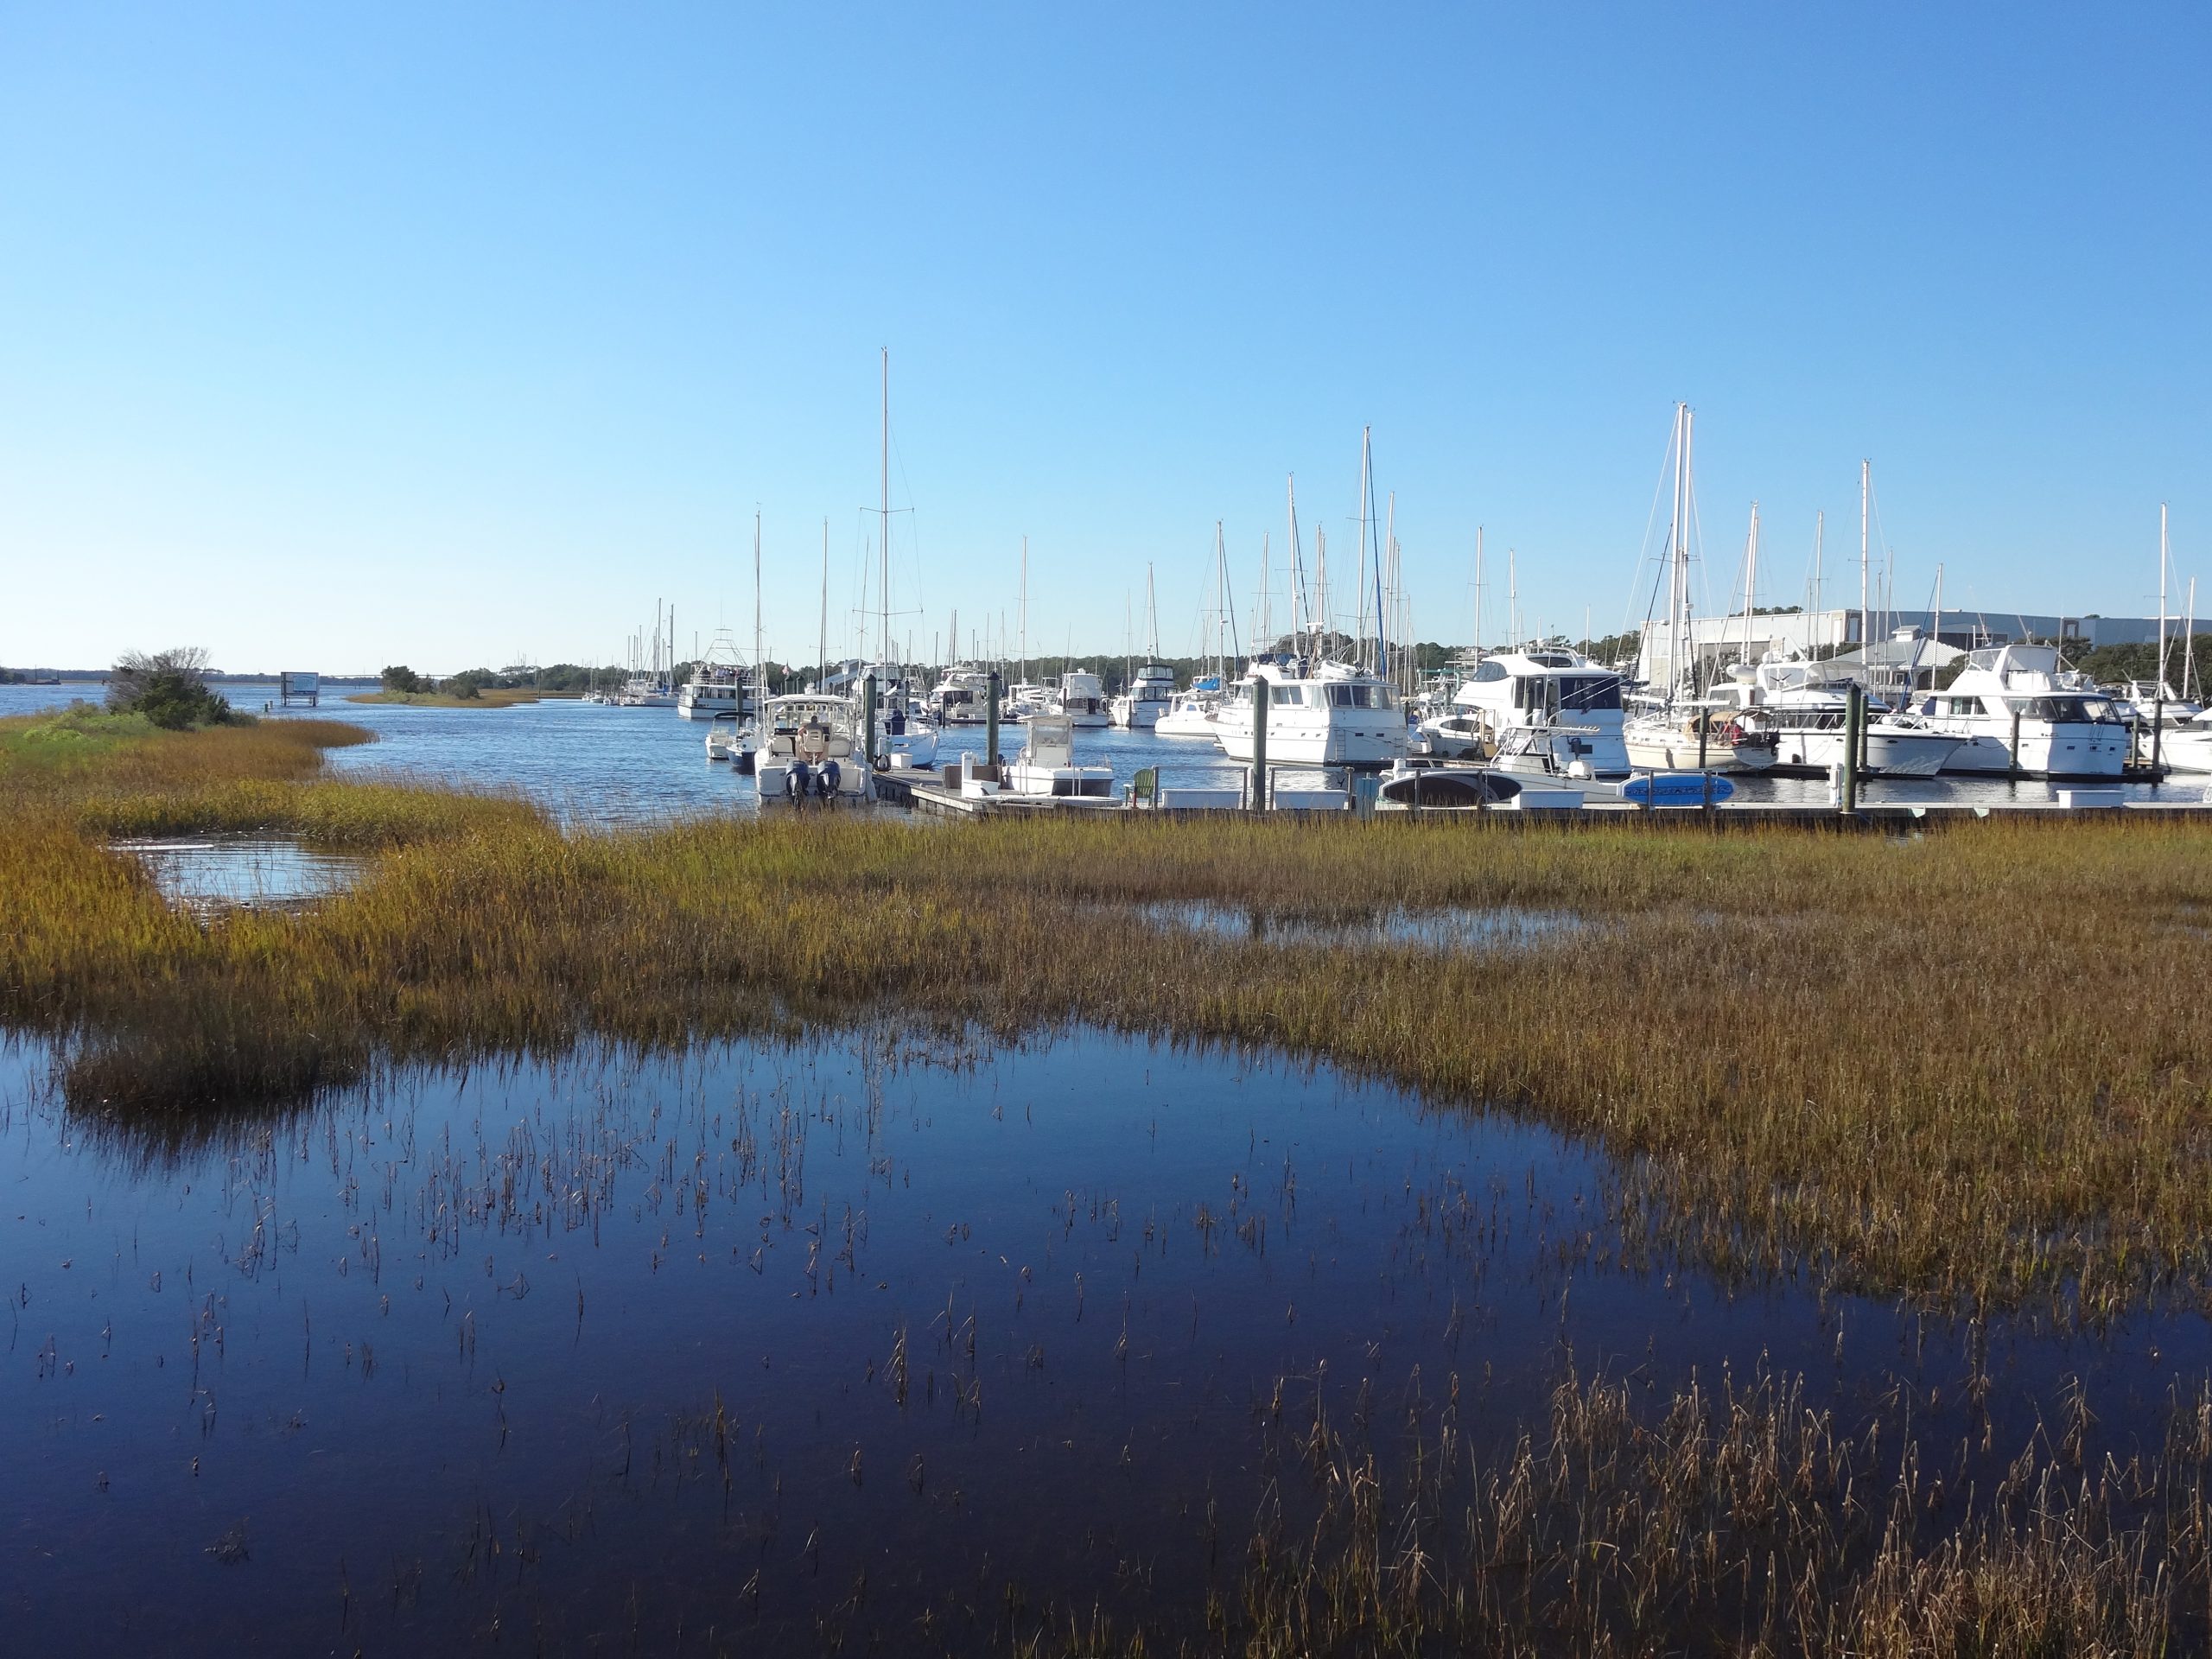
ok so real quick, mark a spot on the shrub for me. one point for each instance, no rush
(400, 677)
(169, 688)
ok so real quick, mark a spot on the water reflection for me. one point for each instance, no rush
(620, 1345)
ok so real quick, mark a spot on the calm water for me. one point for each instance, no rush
(443, 1356)
(596, 763)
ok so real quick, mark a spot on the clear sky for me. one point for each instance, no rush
(331, 336)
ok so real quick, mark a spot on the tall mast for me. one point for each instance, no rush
(1151, 617)
(760, 660)
(1479, 591)
(1866, 643)
(1820, 534)
(1384, 617)
(883, 598)
(1679, 555)
(1266, 639)
(1750, 577)
(822, 645)
(1024, 610)
(1297, 570)
(2162, 600)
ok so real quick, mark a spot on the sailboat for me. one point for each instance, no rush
(1152, 687)
(1675, 729)
(1191, 713)
(904, 735)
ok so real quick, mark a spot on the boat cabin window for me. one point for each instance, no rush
(1282, 695)
(1490, 671)
(2092, 711)
(1359, 696)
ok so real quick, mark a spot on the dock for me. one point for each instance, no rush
(926, 792)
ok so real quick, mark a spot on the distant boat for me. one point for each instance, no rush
(717, 683)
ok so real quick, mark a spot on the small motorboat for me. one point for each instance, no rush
(1414, 787)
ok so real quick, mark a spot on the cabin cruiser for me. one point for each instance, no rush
(640, 692)
(812, 751)
(1808, 713)
(1026, 699)
(2020, 694)
(1082, 699)
(1151, 694)
(1437, 787)
(1324, 715)
(1047, 767)
(963, 697)
(1191, 714)
(717, 685)
(1541, 708)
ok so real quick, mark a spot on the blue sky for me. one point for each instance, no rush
(336, 336)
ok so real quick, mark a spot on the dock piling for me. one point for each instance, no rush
(1854, 726)
(1260, 684)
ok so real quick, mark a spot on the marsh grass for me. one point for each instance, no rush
(1971, 1068)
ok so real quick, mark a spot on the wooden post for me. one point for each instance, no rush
(867, 720)
(2012, 756)
(2157, 726)
(1854, 718)
(1260, 684)
(991, 726)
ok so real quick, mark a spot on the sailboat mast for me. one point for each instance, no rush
(1024, 610)
(822, 645)
(1866, 643)
(1678, 555)
(883, 596)
(760, 660)
(1479, 592)
(2162, 600)
(1297, 570)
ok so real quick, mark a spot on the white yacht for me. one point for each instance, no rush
(1191, 715)
(1046, 765)
(1542, 708)
(2006, 691)
(641, 692)
(963, 697)
(1151, 694)
(1026, 699)
(1328, 714)
(1082, 699)
(717, 685)
(812, 751)
(1808, 713)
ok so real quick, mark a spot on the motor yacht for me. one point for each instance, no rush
(718, 682)
(2041, 722)
(1191, 714)
(1808, 714)
(963, 696)
(1083, 698)
(1541, 708)
(1151, 694)
(1319, 714)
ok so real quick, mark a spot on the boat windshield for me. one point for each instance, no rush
(2079, 710)
(1569, 693)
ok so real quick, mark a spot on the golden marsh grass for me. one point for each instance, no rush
(1972, 1067)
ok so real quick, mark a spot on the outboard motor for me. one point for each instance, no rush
(825, 780)
(796, 780)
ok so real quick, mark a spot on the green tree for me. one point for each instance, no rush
(169, 688)
(400, 677)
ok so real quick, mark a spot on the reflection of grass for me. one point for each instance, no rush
(1975, 1066)
(489, 698)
